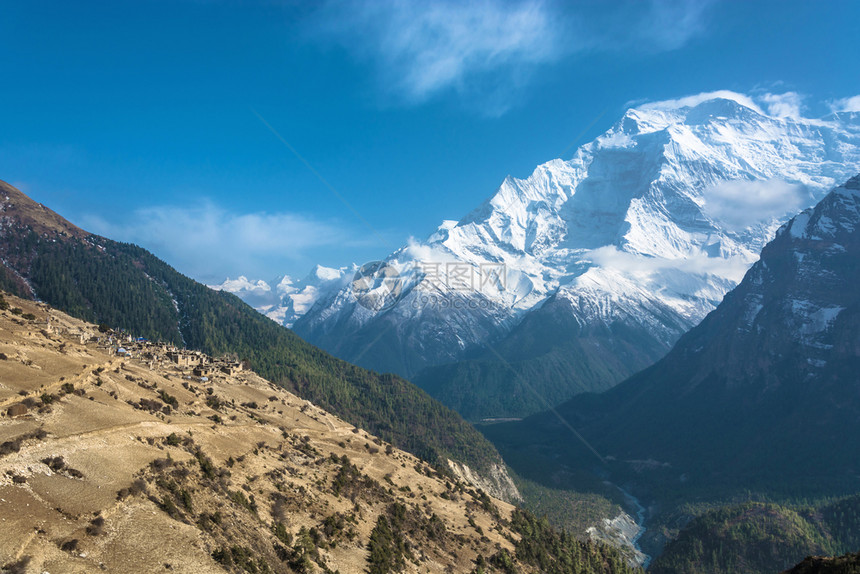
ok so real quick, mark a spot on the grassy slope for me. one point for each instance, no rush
(97, 473)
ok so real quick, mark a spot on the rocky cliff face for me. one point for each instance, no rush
(495, 481)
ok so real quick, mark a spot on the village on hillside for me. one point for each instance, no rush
(151, 354)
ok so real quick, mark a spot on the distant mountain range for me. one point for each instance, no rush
(761, 396)
(289, 299)
(591, 268)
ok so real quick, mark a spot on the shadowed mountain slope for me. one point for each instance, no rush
(764, 394)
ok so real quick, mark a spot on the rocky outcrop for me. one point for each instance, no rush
(495, 481)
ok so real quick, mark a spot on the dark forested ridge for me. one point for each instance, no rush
(760, 538)
(103, 281)
(554, 552)
(845, 564)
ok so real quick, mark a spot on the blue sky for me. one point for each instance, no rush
(261, 138)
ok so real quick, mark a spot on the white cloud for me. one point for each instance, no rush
(696, 99)
(210, 243)
(422, 48)
(851, 104)
(669, 24)
(244, 285)
(610, 257)
(787, 105)
(417, 250)
(485, 51)
(739, 204)
(256, 293)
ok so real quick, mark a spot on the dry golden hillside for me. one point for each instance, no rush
(16, 207)
(135, 464)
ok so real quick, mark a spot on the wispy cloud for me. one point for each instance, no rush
(486, 51)
(784, 105)
(739, 204)
(610, 257)
(669, 24)
(787, 105)
(851, 104)
(210, 243)
(696, 99)
(423, 48)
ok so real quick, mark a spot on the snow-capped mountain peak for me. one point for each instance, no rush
(650, 224)
(843, 217)
(256, 293)
(242, 283)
